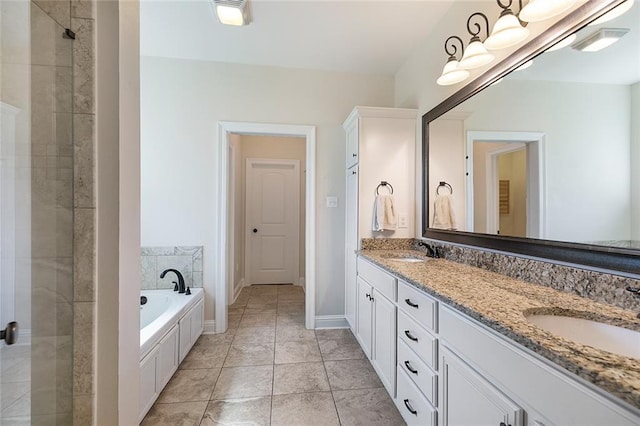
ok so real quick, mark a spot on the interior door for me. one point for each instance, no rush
(36, 215)
(273, 217)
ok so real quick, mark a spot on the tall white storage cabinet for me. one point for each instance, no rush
(380, 146)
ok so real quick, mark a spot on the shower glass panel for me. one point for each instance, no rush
(36, 212)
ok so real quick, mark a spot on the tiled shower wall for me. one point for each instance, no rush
(154, 260)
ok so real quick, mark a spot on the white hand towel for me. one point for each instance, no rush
(443, 215)
(384, 213)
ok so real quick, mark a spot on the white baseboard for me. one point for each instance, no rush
(238, 289)
(331, 321)
(209, 327)
(301, 284)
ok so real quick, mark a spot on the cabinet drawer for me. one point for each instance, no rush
(418, 305)
(417, 370)
(383, 282)
(413, 406)
(418, 339)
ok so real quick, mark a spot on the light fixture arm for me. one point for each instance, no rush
(477, 26)
(506, 9)
(449, 44)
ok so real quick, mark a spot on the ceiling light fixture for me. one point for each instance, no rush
(619, 10)
(476, 55)
(563, 43)
(540, 10)
(452, 74)
(508, 29)
(232, 12)
(604, 37)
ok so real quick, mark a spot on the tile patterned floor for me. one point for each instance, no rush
(270, 370)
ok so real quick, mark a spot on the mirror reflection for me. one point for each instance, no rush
(552, 151)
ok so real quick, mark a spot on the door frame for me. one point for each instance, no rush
(221, 203)
(536, 175)
(491, 177)
(247, 235)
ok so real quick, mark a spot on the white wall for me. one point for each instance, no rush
(587, 149)
(635, 162)
(179, 143)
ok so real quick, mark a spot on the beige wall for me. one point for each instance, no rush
(180, 142)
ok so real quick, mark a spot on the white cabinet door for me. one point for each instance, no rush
(384, 341)
(167, 357)
(352, 144)
(148, 382)
(197, 322)
(365, 310)
(469, 399)
(351, 290)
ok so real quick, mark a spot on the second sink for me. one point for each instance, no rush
(610, 338)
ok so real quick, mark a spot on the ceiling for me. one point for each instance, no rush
(365, 36)
(617, 64)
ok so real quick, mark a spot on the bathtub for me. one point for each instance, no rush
(170, 323)
(163, 310)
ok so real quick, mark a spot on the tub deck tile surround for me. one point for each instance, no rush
(499, 302)
(289, 375)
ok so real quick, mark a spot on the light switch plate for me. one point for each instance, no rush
(402, 220)
(332, 202)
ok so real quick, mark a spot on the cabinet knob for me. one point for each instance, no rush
(410, 336)
(410, 408)
(410, 303)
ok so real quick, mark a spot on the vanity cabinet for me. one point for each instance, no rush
(380, 146)
(376, 322)
(453, 370)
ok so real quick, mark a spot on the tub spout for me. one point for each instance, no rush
(181, 287)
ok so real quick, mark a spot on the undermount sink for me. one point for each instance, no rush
(406, 259)
(610, 338)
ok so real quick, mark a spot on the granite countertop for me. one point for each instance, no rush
(501, 302)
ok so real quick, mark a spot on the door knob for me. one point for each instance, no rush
(10, 334)
(255, 230)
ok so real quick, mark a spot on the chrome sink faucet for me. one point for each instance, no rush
(181, 287)
(636, 292)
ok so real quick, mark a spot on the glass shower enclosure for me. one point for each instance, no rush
(36, 213)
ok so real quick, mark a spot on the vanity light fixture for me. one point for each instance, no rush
(508, 29)
(604, 37)
(232, 12)
(476, 55)
(563, 43)
(619, 10)
(540, 10)
(452, 74)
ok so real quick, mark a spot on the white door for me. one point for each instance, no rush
(273, 217)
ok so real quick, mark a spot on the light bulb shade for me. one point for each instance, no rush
(452, 74)
(563, 43)
(507, 32)
(232, 12)
(614, 13)
(475, 56)
(540, 10)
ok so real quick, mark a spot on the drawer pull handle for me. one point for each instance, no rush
(354, 155)
(410, 368)
(408, 334)
(410, 408)
(368, 296)
(410, 303)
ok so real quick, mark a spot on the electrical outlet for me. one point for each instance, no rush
(332, 202)
(402, 220)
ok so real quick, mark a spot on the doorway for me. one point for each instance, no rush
(505, 175)
(230, 257)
